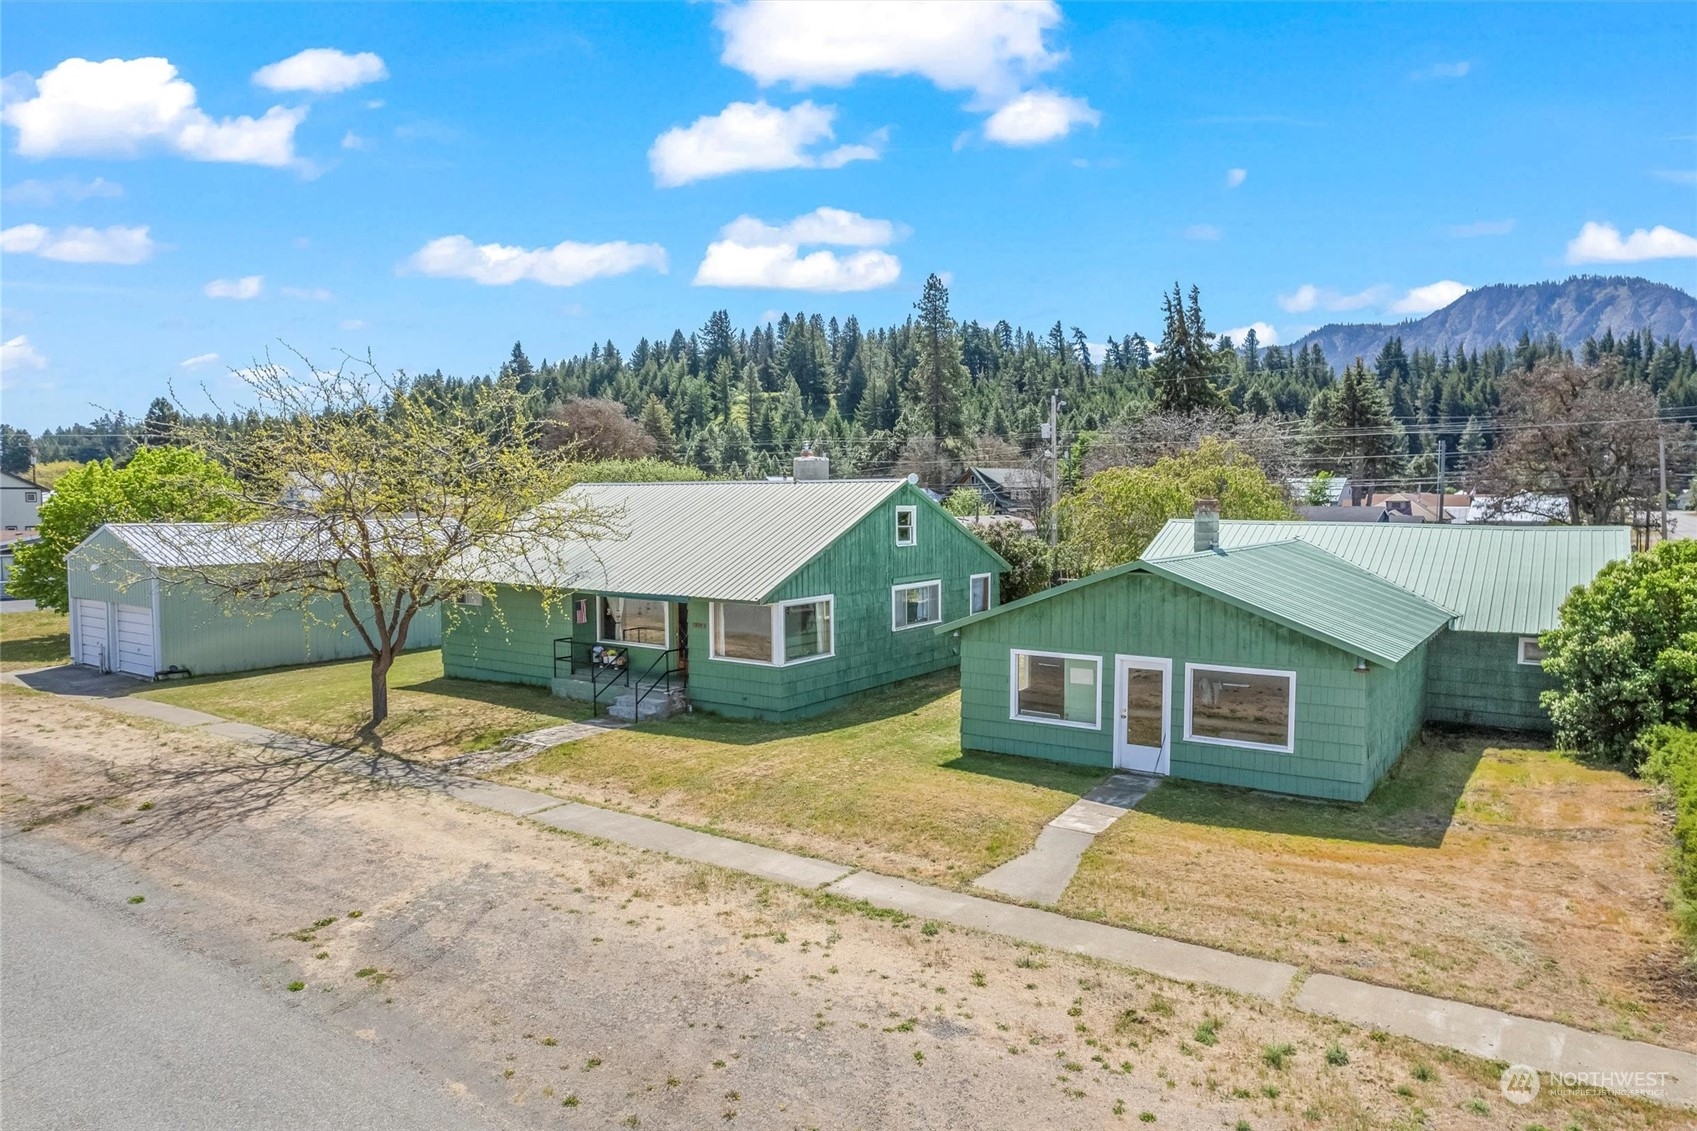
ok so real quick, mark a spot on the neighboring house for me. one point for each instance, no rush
(1297, 657)
(1342, 513)
(137, 608)
(768, 600)
(20, 502)
(1008, 490)
(1520, 510)
(1422, 506)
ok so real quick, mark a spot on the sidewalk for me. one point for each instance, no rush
(1544, 1045)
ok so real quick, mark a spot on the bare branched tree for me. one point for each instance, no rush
(1583, 433)
(1163, 435)
(358, 493)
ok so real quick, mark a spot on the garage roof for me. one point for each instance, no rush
(1509, 579)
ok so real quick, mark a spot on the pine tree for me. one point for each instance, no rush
(939, 374)
(1350, 426)
(160, 422)
(1186, 372)
(657, 422)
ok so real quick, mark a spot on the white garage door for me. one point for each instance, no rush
(134, 636)
(93, 633)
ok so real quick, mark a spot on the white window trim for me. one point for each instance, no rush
(912, 514)
(1013, 688)
(469, 600)
(1520, 652)
(1290, 710)
(601, 619)
(989, 592)
(777, 623)
(894, 589)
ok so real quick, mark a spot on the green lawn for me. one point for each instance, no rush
(34, 640)
(430, 716)
(881, 783)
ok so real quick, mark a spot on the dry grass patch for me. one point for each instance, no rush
(881, 783)
(34, 640)
(430, 716)
(1514, 878)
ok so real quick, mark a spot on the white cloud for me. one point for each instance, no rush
(1433, 296)
(1038, 116)
(565, 264)
(308, 294)
(990, 47)
(1203, 232)
(322, 70)
(350, 324)
(17, 353)
(246, 287)
(821, 226)
(116, 244)
(1308, 297)
(1265, 334)
(751, 136)
(1602, 243)
(44, 193)
(1443, 71)
(1677, 176)
(197, 361)
(1481, 228)
(755, 253)
(1235, 177)
(351, 140)
(125, 107)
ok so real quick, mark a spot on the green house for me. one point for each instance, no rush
(772, 600)
(137, 608)
(1280, 655)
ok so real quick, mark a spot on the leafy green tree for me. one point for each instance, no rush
(1626, 653)
(937, 379)
(634, 471)
(963, 501)
(1031, 558)
(1114, 515)
(1187, 372)
(158, 485)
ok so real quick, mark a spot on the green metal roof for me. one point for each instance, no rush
(1508, 579)
(727, 540)
(1291, 583)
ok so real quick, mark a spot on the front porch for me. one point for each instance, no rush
(630, 672)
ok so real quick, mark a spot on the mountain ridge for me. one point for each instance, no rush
(1575, 308)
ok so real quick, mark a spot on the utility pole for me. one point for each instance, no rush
(1662, 469)
(1443, 514)
(1054, 466)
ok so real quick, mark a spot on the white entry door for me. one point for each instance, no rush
(94, 634)
(1143, 713)
(134, 636)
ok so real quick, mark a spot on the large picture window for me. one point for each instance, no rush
(1051, 687)
(917, 604)
(627, 620)
(1250, 707)
(792, 632)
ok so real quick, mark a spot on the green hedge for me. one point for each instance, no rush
(1671, 762)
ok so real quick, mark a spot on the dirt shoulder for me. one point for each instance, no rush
(580, 983)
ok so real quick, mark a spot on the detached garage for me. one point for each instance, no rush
(136, 609)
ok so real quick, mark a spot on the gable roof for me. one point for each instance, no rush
(1290, 583)
(719, 540)
(18, 482)
(1507, 579)
(186, 545)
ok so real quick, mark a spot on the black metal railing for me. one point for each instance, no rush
(608, 666)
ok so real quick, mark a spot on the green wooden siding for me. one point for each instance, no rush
(1396, 707)
(508, 639)
(1341, 749)
(1476, 679)
(202, 634)
(858, 570)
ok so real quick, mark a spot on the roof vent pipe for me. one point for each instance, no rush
(1206, 526)
(810, 468)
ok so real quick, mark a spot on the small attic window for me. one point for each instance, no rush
(907, 526)
(470, 600)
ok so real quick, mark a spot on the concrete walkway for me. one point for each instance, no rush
(1475, 1030)
(1042, 875)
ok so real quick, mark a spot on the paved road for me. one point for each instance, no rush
(106, 1025)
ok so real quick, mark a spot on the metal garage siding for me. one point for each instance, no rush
(93, 636)
(132, 637)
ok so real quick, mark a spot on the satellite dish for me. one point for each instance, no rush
(913, 477)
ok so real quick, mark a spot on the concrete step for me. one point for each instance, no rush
(658, 703)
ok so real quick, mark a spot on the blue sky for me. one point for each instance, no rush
(187, 186)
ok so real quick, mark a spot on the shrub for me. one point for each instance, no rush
(1671, 763)
(1626, 653)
